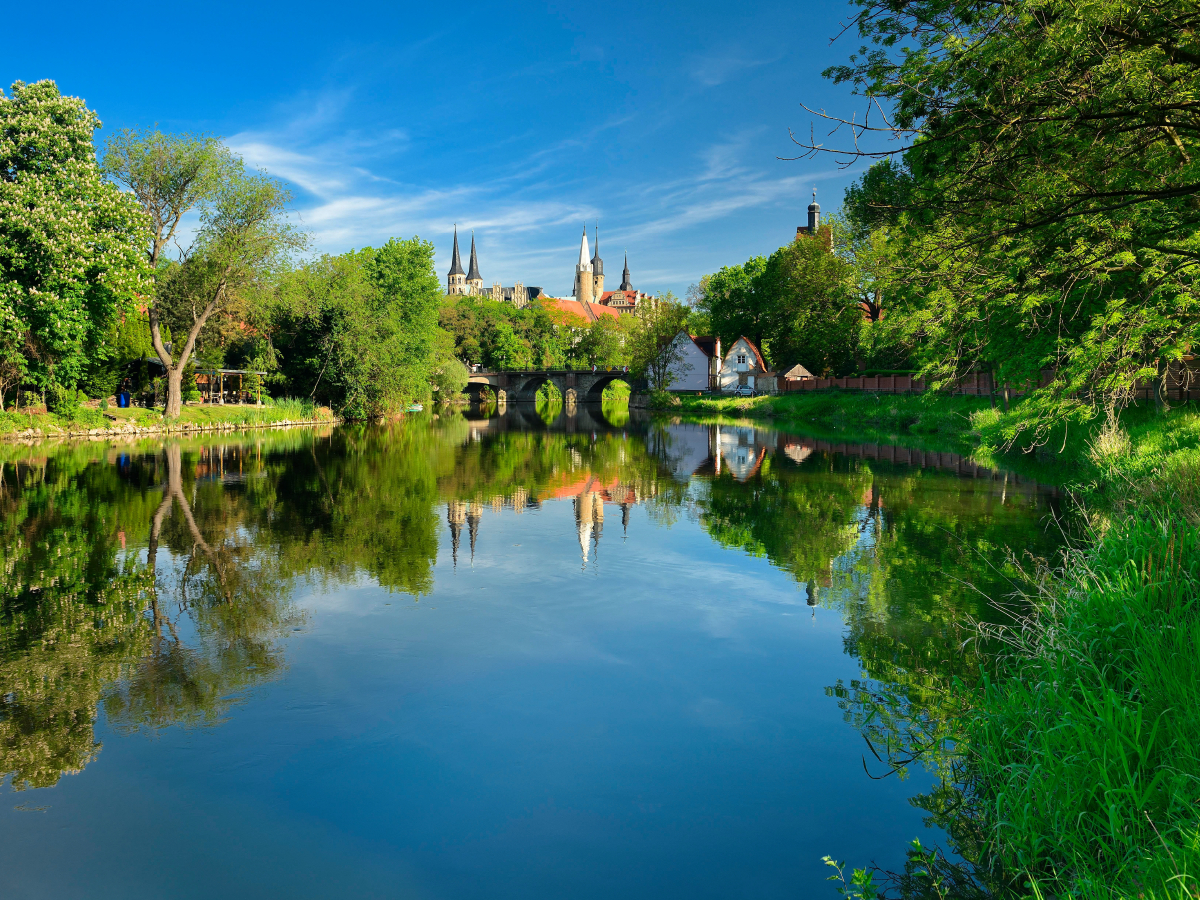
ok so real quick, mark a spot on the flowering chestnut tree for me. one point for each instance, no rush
(71, 256)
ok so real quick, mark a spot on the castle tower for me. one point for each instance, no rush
(583, 273)
(597, 271)
(474, 516)
(626, 284)
(474, 279)
(814, 214)
(456, 516)
(456, 278)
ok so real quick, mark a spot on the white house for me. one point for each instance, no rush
(702, 367)
(743, 365)
(695, 367)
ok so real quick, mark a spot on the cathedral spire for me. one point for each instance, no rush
(456, 262)
(597, 262)
(584, 262)
(626, 284)
(473, 274)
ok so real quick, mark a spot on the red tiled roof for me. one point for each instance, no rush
(589, 312)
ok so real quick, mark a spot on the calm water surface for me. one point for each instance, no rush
(487, 657)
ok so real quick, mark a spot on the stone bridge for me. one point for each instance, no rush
(575, 386)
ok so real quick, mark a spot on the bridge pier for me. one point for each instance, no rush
(575, 387)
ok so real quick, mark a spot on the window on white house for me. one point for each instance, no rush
(741, 359)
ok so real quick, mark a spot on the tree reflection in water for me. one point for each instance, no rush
(156, 582)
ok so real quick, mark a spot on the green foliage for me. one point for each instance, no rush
(63, 401)
(734, 303)
(243, 235)
(497, 335)
(654, 347)
(359, 331)
(812, 315)
(70, 243)
(254, 385)
(1046, 197)
(1086, 761)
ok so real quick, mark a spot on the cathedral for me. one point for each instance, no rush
(470, 283)
(588, 291)
(589, 281)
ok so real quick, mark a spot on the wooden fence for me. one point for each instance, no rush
(1183, 383)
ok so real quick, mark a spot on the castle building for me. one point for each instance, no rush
(589, 281)
(588, 294)
(470, 282)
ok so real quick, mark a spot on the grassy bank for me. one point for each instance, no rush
(852, 413)
(1081, 743)
(1084, 743)
(92, 421)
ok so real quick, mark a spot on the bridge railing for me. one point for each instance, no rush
(615, 370)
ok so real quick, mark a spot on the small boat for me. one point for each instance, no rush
(414, 407)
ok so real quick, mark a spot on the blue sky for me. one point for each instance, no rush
(523, 121)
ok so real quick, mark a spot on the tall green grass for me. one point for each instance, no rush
(1086, 743)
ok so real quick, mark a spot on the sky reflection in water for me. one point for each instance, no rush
(525, 656)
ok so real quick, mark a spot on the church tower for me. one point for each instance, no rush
(474, 279)
(626, 284)
(456, 278)
(583, 274)
(597, 271)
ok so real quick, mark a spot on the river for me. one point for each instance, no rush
(531, 655)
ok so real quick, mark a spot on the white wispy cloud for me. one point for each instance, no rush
(527, 208)
(710, 71)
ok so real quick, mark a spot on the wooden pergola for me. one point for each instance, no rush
(214, 381)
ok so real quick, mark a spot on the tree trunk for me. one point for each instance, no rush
(174, 392)
(1160, 388)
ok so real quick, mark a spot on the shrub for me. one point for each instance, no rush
(663, 400)
(63, 401)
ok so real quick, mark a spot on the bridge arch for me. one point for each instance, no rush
(601, 380)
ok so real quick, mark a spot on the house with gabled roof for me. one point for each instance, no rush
(702, 367)
(744, 366)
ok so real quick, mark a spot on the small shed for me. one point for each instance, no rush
(797, 373)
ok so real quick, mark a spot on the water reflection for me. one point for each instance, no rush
(155, 585)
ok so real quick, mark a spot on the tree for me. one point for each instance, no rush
(812, 314)
(243, 231)
(731, 299)
(360, 330)
(656, 344)
(1052, 220)
(70, 255)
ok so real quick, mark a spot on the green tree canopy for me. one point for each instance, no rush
(1048, 186)
(70, 244)
(359, 331)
